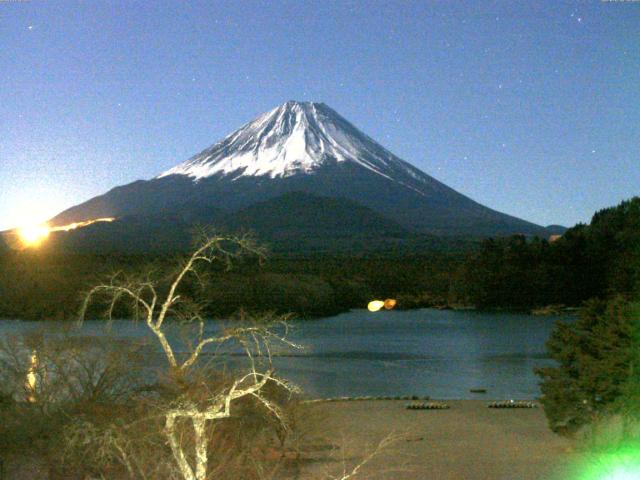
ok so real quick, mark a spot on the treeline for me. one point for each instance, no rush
(601, 259)
(37, 285)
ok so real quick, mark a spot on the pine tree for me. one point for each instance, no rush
(596, 358)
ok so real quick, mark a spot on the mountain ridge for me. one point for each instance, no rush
(305, 147)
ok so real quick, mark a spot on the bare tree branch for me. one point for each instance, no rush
(255, 340)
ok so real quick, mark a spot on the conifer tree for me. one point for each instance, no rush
(596, 357)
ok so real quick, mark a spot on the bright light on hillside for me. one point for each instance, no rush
(33, 235)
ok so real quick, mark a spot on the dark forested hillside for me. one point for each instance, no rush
(596, 260)
(292, 223)
(39, 285)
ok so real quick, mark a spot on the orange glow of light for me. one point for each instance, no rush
(74, 225)
(389, 303)
(33, 235)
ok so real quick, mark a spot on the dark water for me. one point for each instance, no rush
(421, 352)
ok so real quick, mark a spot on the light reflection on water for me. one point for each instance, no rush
(442, 354)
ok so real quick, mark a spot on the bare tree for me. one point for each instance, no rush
(143, 294)
(256, 339)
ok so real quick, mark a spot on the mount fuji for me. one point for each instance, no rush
(304, 151)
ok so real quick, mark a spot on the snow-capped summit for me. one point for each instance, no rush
(296, 137)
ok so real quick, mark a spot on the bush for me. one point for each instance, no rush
(98, 410)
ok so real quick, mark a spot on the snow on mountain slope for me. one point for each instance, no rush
(296, 137)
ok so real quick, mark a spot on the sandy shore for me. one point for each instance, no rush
(468, 441)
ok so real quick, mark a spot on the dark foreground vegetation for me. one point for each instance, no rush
(98, 410)
(74, 407)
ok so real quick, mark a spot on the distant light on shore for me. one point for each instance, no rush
(389, 303)
(376, 305)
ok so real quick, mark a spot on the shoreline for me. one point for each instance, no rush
(413, 398)
(546, 311)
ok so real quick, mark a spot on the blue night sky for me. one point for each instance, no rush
(531, 108)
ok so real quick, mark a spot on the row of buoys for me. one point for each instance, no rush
(375, 305)
(427, 406)
(444, 406)
(422, 403)
(512, 404)
(351, 399)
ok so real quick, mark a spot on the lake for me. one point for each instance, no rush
(440, 353)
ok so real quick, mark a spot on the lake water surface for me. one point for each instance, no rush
(442, 354)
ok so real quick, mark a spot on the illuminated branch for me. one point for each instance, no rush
(144, 296)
